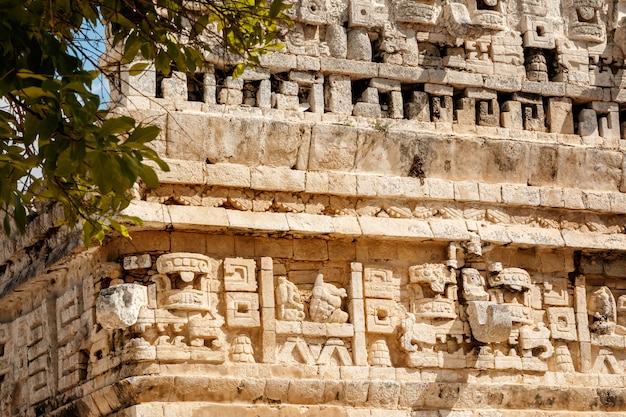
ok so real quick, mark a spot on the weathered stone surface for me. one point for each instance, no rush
(118, 306)
(415, 209)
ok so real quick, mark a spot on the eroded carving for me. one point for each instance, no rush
(326, 302)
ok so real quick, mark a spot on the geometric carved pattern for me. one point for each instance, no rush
(240, 274)
(562, 323)
(378, 283)
(380, 316)
(242, 309)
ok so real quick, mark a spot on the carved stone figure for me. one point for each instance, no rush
(415, 336)
(289, 301)
(473, 285)
(602, 309)
(533, 338)
(326, 300)
(490, 322)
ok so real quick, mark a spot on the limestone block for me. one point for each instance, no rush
(490, 193)
(312, 12)
(389, 227)
(137, 262)
(284, 102)
(230, 97)
(538, 32)
(573, 199)
(234, 83)
(277, 179)
(370, 95)
(332, 147)
(419, 107)
(481, 93)
(440, 189)
(442, 109)
(609, 126)
(118, 306)
(278, 62)
(288, 88)
(588, 123)
(242, 309)
(402, 73)
(264, 94)
(346, 226)
(316, 98)
(488, 112)
(210, 88)
(175, 86)
(562, 323)
(384, 85)
(227, 175)
(449, 229)
(596, 201)
(340, 183)
(310, 250)
(190, 217)
(143, 84)
(240, 274)
(551, 197)
(466, 191)
(618, 202)
(304, 223)
(316, 182)
(338, 94)
(466, 111)
(438, 90)
(359, 45)
(511, 115)
(257, 221)
(490, 322)
(366, 13)
(560, 119)
(366, 110)
(458, 21)
(503, 83)
(396, 110)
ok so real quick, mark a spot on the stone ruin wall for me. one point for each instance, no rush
(414, 209)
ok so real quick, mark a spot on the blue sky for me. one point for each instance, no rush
(92, 42)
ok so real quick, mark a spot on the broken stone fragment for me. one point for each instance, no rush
(490, 322)
(118, 306)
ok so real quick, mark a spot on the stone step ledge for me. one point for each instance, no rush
(349, 184)
(192, 393)
(186, 218)
(179, 107)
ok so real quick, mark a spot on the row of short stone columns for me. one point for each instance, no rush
(597, 122)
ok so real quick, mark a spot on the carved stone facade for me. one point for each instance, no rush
(416, 209)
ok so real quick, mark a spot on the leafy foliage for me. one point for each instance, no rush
(56, 143)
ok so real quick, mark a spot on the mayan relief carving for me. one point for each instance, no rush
(578, 43)
(415, 206)
(456, 314)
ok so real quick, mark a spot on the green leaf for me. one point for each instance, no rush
(239, 70)
(150, 177)
(143, 134)
(20, 213)
(117, 125)
(138, 68)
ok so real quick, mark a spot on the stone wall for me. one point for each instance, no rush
(415, 209)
